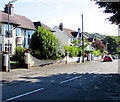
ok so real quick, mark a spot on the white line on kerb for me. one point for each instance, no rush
(23, 95)
(70, 79)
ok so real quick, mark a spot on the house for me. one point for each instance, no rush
(65, 36)
(20, 30)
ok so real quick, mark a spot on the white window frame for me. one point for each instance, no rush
(10, 47)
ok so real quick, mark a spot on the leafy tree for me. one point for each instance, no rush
(117, 40)
(111, 7)
(71, 50)
(98, 45)
(112, 44)
(78, 43)
(44, 44)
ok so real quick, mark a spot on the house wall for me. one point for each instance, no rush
(63, 38)
(4, 40)
(12, 40)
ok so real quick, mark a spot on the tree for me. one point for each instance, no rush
(111, 7)
(44, 44)
(78, 43)
(98, 45)
(111, 44)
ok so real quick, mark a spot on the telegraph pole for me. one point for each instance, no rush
(82, 41)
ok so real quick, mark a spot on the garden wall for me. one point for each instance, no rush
(32, 61)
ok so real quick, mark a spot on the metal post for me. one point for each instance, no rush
(8, 36)
(9, 33)
(82, 41)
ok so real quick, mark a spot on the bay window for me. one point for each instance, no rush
(8, 34)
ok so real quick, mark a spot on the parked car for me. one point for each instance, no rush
(107, 58)
(113, 56)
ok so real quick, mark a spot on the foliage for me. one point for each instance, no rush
(19, 55)
(72, 51)
(111, 7)
(98, 45)
(95, 35)
(44, 44)
(78, 43)
(117, 40)
(96, 52)
(112, 44)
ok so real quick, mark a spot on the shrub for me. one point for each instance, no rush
(19, 55)
(96, 52)
(72, 51)
(44, 44)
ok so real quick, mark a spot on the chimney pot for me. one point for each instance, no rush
(61, 26)
(11, 9)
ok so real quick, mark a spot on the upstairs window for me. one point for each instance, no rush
(8, 34)
(18, 32)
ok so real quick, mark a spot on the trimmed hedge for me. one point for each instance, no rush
(72, 51)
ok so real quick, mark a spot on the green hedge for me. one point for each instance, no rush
(19, 55)
(72, 51)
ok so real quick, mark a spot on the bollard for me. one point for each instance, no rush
(6, 62)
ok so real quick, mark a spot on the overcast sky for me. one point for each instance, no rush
(68, 12)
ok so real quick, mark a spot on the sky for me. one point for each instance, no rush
(68, 12)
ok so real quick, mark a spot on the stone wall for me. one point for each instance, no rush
(32, 61)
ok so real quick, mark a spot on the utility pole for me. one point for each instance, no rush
(9, 33)
(82, 41)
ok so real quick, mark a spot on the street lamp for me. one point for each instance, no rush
(82, 41)
(9, 31)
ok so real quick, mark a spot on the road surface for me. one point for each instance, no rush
(83, 81)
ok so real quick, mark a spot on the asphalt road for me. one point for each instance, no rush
(89, 81)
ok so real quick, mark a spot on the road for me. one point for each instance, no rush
(83, 81)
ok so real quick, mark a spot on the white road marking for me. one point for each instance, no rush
(23, 95)
(70, 79)
(76, 77)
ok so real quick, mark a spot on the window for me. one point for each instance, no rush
(28, 37)
(8, 48)
(18, 32)
(8, 34)
(0, 48)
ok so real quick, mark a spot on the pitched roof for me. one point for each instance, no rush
(68, 32)
(41, 24)
(20, 21)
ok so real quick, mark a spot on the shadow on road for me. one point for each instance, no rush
(89, 82)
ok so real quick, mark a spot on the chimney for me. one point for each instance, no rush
(61, 26)
(11, 9)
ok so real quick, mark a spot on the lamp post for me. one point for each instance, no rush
(9, 32)
(82, 41)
